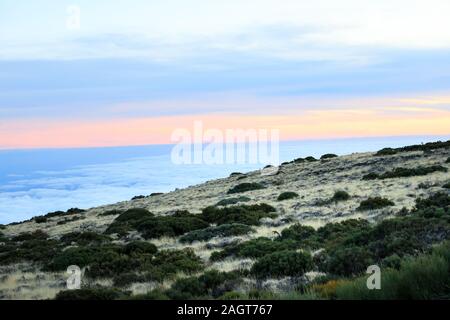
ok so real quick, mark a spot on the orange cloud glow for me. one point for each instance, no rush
(157, 130)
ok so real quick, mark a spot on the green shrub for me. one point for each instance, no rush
(310, 159)
(254, 248)
(446, 186)
(298, 233)
(80, 256)
(40, 219)
(84, 238)
(287, 195)
(328, 156)
(386, 152)
(347, 261)
(35, 235)
(155, 294)
(424, 277)
(90, 294)
(244, 187)
(154, 227)
(243, 214)
(229, 201)
(374, 203)
(128, 221)
(283, 263)
(406, 172)
(448, 160)
(170, 226)
(224, 230)
(111, 213)
(371, 176)
(139, 247)
(210, 284)
(340, 195)
(173, 261)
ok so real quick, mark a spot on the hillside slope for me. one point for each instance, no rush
(318, 193)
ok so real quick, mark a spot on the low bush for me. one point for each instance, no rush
(328, 156)
(340, 195)
(374, 203)
(347, 261)
(423, 277)
(446, 186)
(111, 213)
(40, 219)
(406, 172)
(287, 195)
(254, 248)
(386, 152)
(246, 186)
(310, 159)
(224, 230)
(298, 232)
(448, 160)
(210, 284)
(84, 238)
(282, 263)
(154, 227)
(90, 294)
(230, 201)
(243, 214)
(139, 247)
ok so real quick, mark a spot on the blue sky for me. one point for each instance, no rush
(134, 59)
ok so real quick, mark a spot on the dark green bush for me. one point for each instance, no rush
(40, 219)
(154, 227)
(406, 172)
(139, 247)
(298, 233)
(347, 261)
(423, 277)
(35, 235)
(170, 226)
(340, 195)
(446, 186)
(246, 186)
(84, 238)
(448, 160)
(287, 195)
(374, 203)
(111, 212)
(243, 214)
(229, 201)
(386, 152)
(224, 230)
(173, 261)
(212, 283)
(254, 248)
(371, 176)
(90, 294)
(282, 263)
(328, 156)
(310, 159)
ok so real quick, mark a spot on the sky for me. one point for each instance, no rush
(131, 72)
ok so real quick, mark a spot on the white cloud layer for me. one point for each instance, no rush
(175, 29)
